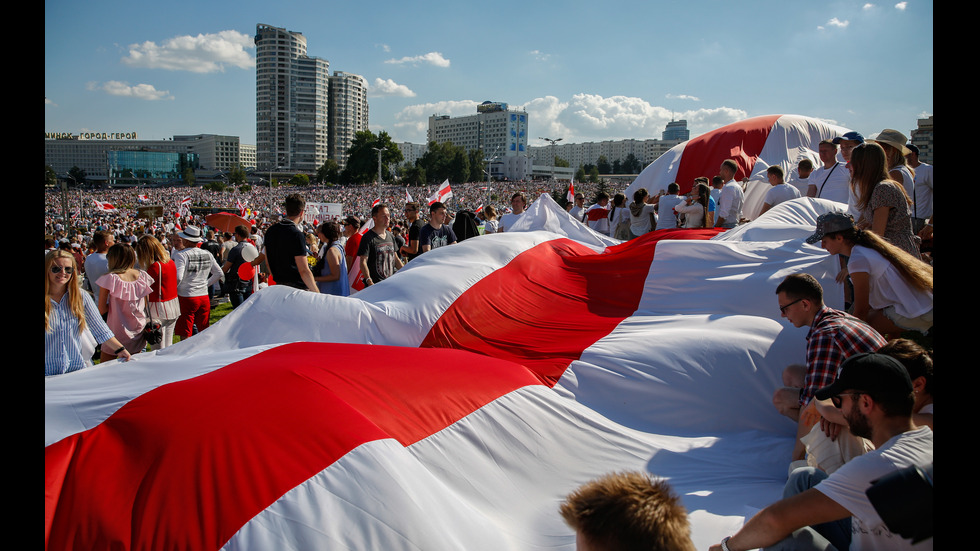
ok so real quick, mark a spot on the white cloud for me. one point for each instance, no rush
(432, 58)
(140, 91)
(683, 96)
(539, 55)
(868, 6)
(204, 53)
(388, 87)
(838, 23)
(901, 6)
(582, 118)
(384, 47)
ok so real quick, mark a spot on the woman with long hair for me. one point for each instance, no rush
(893, 142)
(619, 219)
(695, 207)
(330, 271)
(121, 295)
(882, 202)
(892, 289)
(161, 304)
(72, 323)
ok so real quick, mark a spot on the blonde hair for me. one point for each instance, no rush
(149, 250)
(76, 302)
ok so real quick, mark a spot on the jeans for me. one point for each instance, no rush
(829, 536)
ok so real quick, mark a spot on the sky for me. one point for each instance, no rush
(582, 72)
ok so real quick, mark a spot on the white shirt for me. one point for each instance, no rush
(922, 207)
(730, 206)
(665, 211)
(847, 486)
(193, 266)
(507, 221)
(888, 288)
(837, 186)
(779, 193)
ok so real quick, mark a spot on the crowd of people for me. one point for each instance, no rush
(862, 401)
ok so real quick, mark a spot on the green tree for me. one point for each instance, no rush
(362, 158)
(301, 180)
(477, 166)
(632, 165)
(580, 174)
(603, 165)
(412, 175)
(445, 161)
(77, 175)
(594, 174)
(329, 173)
(50, 178)
(236, 176)
(561, 162)
(189, 177)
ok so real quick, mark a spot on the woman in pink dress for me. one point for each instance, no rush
(121, 295)
(162, 304)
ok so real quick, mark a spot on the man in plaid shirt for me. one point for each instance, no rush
(833, 337)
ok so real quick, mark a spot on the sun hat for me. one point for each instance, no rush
(893, 138)
(830, 222)
(191, 233)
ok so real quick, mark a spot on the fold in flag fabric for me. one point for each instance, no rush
(442, 194)
(453, 405)
(754, 144)
(571, 193)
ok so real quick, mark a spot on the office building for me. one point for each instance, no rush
(923, 139)
(501, 133)
(676, 131)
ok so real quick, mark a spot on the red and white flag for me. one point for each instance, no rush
(142, 198)
(241, 207)
(105, 207)
(570, 196)
(442, 194)
(408, 197)
(454, 418)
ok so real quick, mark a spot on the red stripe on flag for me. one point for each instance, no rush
(550, 303)
(703, 155)
(186, 465)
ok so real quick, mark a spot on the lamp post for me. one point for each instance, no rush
(379, 150)
(552, 142)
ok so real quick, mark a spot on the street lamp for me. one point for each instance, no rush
(552, 142)
(379, 150)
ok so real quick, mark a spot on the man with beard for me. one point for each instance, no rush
(875, 395)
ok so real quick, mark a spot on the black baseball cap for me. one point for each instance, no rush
(869, 372)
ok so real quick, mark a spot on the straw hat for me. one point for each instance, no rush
(893, 138)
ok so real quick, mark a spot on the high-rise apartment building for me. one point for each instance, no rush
(303, 116)
(348, 113)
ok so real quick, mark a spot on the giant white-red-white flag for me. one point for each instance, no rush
(453, 405)
(442, 194)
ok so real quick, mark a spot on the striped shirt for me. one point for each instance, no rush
(62, 343)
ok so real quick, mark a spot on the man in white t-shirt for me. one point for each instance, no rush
(578, 211)
(800, 176)
(779, 191)
(666, 217)
(830, 181)
(922, 199)
(875, 395)
(518, 202)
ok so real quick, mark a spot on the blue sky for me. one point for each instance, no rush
(583, 72)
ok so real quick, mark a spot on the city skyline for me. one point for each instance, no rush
(582, 74)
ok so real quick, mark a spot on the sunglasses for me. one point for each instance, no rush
(58, 269)
(836, 399)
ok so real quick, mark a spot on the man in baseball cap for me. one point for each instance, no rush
(874, 393)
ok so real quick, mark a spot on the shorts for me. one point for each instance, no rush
(921, 323)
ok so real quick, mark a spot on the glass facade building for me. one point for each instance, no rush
(131, 168)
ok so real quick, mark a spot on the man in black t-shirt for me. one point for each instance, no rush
(411, 249)
(285, 246)
(378, 252)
